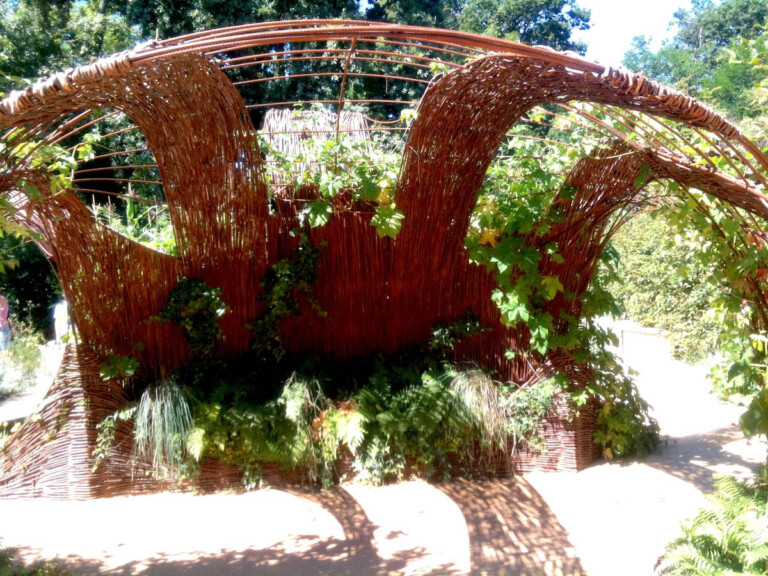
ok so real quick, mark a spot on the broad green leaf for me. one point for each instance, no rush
(318, 213)
(551, 286)
(642, 178)
(388, 221)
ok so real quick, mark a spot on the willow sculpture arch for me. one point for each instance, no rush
(196, 101)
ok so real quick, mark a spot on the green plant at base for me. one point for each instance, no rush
(196, 307)
(283, 284)
(445, 412)
(299, 429)
(105, 435)
(729, 536)
(528, 407)
(162, 424)
(320, 427)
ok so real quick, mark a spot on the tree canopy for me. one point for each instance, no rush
(709, 55)
(40, 37)
(546, 22)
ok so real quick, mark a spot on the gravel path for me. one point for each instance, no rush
(610, 519)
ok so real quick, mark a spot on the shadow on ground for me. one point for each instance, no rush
(511, 531)
(696, 459)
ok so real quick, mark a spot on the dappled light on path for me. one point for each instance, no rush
(696, 459)
(622, 514)
(494, 527)
(512, 530)
(613, 518)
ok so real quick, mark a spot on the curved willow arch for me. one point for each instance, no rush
(195, 100)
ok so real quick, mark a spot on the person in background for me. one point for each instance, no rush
(5, 326)
(61, 321)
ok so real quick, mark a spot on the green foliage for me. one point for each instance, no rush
(106, 430)
(345, 173)
(446, 336)
(755, 420)
(708, 55)
(42, 38)
(733, 259)
(300, 428)
(11, 565)
(118, 366)
(196, 308)
(150, 227)
(445, 412)
(624, 424)
(388, 220)
(729, 536)
(411, 405)
(20, 362)
(528, 407)
(29, 283)
(546, 22)
(57, 162)
(162, 423)
(285, 283)
(514, 202)
(660, 285)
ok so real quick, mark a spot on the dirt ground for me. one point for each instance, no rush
(613, 518)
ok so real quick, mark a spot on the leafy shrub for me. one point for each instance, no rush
(283, 284)
(196, 308)
(729, 536)
(351, 174)
(11, 566)
(301, 428)
(660, 286)
(305, 412)
(150, 227)
(447, 412)
(625, 426)
(528, 407)
(19, 364)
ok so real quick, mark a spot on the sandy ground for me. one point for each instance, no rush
(613, 518)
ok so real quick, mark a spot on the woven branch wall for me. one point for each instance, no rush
(194, 102)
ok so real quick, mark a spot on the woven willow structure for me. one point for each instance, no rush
(195, 103)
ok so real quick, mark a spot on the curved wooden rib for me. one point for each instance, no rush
(197, 127)
(113, 285)
(462, 121)
(196, 124)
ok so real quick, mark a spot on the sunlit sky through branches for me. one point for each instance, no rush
(616, 22)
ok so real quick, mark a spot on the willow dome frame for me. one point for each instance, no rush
(194, 102)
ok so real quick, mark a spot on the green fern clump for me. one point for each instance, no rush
(447, 411)
(301, 428)
(729, 536)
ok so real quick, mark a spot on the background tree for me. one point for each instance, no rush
(707, 57)
(659, 287)
(39, 38)
(545, 22)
